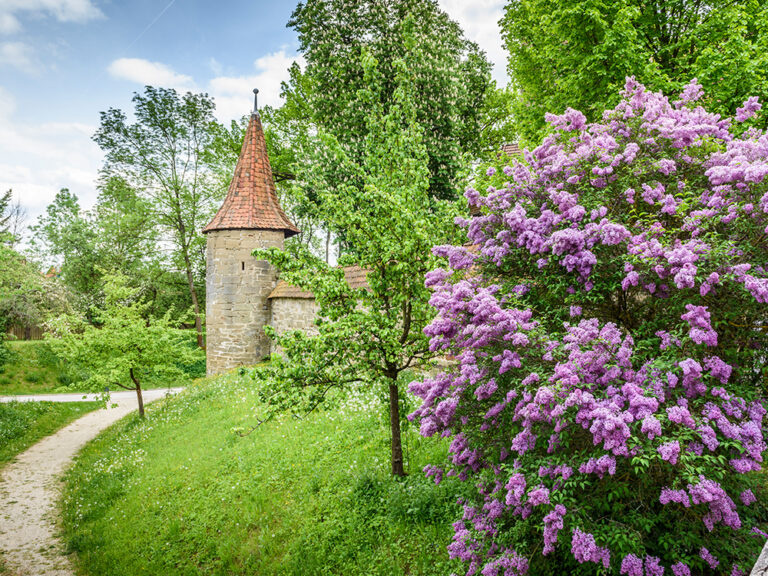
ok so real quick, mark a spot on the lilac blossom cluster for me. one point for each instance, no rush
(646, 231)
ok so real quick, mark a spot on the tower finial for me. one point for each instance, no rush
(255, 100)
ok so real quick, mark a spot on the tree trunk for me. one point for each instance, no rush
(394, 423)
(195, 302)
(138, 394)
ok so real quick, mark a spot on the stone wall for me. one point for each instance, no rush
(293, 314)
(237, 307)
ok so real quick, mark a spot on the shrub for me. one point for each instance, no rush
(610, 332)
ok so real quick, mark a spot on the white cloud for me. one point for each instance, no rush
(18, 55)
(62, 10)
(233, 94)
(480, 21)
(149, 73)
(37, 160)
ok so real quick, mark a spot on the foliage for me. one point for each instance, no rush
(26, 297)
(126, 348)
(180, 493)
(165, 156)
(609, 328)
(330, 94)
(22, 424)
(577, 54)
(12, 217)
(367, 336)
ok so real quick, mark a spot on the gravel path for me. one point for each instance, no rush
(29, 489)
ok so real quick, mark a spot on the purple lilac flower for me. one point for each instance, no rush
(585, 549)
(706, 555)
(553, 523)
(631, 565)
(681, 569)
(747, 497)
(749, 108)
(670, 451)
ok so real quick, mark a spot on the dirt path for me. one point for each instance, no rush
(29, 489)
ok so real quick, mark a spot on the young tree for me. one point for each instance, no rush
(610, 328)
(577, 54)
(368, 336)
(126, 349)
(164, 154)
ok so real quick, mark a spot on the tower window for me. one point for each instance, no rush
(243, 265)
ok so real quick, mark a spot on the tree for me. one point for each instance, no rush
(451, 79)
(126, 349)
(164, 154)
(12, 218)
(577, 54)
(368, 336)
(610, 330)
(65, 236)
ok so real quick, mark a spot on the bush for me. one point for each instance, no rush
(609, 327)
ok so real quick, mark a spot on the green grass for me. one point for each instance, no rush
(181, 493)
(24, 423)
(30, 369)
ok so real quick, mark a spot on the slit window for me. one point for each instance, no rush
(243, 265)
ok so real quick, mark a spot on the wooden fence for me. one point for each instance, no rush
(26, 332)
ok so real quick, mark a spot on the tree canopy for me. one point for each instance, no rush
(577, 54)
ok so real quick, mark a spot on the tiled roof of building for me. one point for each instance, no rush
(251, 202)
(354, 275)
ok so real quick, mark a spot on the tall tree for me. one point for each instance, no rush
(577, 54)
(451, 78)
(12, 218)
(369, 336)
(164, 154)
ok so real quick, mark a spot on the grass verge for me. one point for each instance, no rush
(24, 423)
(182, 493)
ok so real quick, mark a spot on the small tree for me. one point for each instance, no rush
(125, 349)
(610, 328)
(368, 336)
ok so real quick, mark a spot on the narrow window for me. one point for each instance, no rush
(243, 264)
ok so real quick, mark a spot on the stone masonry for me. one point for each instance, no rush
(237, 307)
(293, 314)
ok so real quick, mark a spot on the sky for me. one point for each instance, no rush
(64, 61)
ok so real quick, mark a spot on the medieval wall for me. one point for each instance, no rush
(293, 314)
(237, 307)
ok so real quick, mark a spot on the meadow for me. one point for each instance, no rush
(196, 489)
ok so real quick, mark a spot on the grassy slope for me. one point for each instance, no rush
(24, 423)
(30, 370)
(182, 494)
(34, 369)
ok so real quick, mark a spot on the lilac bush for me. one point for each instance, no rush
(609, 321)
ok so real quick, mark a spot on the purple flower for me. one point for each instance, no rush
(670, 451)
(750, 107)
(706, 555)
(585, 549)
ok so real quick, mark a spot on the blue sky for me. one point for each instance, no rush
(64, 61)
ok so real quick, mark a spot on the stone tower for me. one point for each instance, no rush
(237, 285)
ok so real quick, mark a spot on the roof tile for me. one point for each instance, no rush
(251, 202)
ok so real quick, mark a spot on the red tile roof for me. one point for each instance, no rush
(251, 202)
(354, 275)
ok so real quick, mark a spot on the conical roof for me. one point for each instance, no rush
(251, 202)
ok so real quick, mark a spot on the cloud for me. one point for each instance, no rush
(62, 10)
(480, 21)
(18, 55)
(149, 73)
(36, 160)
(233, 94)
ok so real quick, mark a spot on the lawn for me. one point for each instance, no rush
(31, 369)
(24, 423)
(188, 492)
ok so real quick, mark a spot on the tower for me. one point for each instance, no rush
(237, 285)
